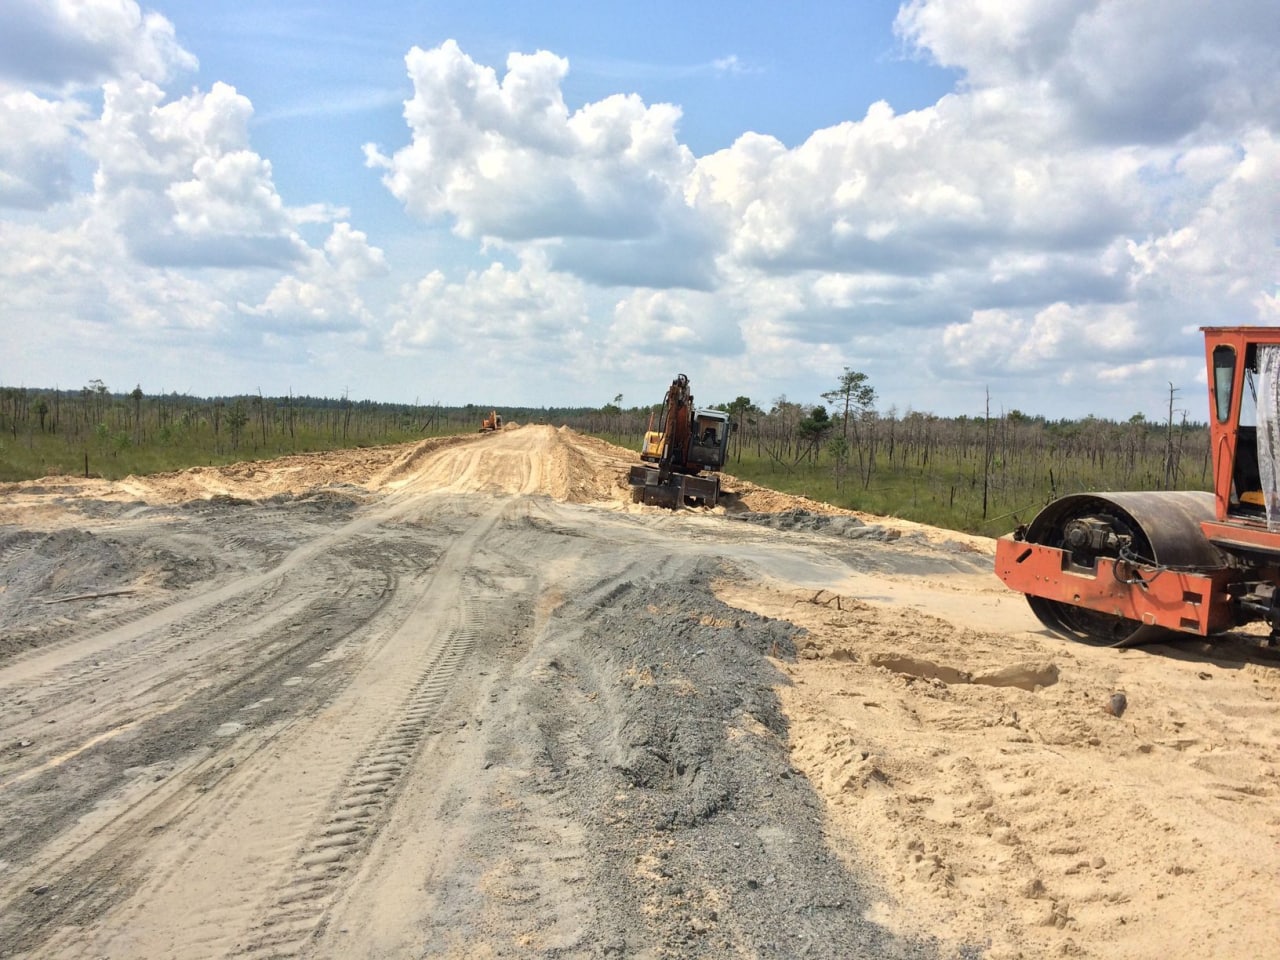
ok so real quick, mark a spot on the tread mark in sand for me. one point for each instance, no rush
(177, 631)
(60, 684)
(206, 935)
(301, 902)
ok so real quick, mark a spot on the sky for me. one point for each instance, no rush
(1031, 203)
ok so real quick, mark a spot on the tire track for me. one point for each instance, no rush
(222, 790)
(160, 670)
(65, 682)
(147, 653)
(196, 607)
(90, 870)
(300, 904)
(288, 823)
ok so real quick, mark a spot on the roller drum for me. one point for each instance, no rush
(1160, 529)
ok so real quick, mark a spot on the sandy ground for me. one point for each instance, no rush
(463, 699)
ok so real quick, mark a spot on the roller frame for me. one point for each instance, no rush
(1192, 599)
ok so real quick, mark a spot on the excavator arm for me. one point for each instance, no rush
(668, 444)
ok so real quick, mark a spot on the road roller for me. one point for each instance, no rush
(1123, 569)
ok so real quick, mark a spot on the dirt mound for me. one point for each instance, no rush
(295, 475)
(590, 470)
(407, 461)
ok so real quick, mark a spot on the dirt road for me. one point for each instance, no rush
(462, 699)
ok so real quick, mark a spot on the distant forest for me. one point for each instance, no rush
(103, 432)
(967, 472)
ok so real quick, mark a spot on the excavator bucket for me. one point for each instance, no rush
(648, 485)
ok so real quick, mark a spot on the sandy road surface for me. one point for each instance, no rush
(462, 699)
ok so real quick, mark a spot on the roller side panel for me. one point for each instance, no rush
(1195, 603)
(1251, 540)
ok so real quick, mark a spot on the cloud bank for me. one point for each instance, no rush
(1100, 182)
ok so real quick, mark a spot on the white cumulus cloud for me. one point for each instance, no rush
(37, 140)
(182, 183)
(507, 160)
(1145, 71)
(323, 293)
(60, 44)
(501, 319)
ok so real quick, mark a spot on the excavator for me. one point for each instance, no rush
(685, 442)
(1123, 569)
(492, 422)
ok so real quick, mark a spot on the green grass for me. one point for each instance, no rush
(948, 492)
(946, 499)
(114, 457)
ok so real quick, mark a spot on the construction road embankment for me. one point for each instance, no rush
(464, 699)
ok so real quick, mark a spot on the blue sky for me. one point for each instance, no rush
(553, 203)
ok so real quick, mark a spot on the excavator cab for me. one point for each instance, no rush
(709, 443)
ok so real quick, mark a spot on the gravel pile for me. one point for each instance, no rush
(655, 736)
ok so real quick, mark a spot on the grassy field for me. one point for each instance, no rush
(115, 457)
(943, 494)
(975, 480)
(977, 474)
(98, 433)
(949, 492)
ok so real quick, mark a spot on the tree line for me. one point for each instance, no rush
(93, 429)
(968, 472)
(962, 471)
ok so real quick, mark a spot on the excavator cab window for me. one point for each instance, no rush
(707, 433)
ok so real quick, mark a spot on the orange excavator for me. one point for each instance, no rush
(686, 442)
(1131, 568)
(492, 422)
